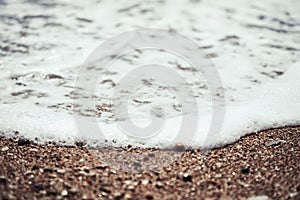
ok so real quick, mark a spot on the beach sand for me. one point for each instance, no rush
(265, 164)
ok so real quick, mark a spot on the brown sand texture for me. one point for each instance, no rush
(263, 165)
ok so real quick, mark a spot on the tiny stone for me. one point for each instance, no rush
(187, 178)
(151, 155)
(48, 170)
(127, 182)
(103, 194)
(159, 184)
(137, 164)
(179, 147)
(56, 158)
(118, 196)
(146, 158)
(4, 148)
(64, 193)
(127, 196)
(295, 194)
(245, 170)
(53, 76)
(274, 143)
(3, 180)
(51, 192)
(33, 150)
(61, 171)
(130, 187)
(43, 192)
(74, 190)
(149, 195)
(22, 142)
(38, 186)
(103, 166)
(79, 143)
(145, 182)
(259, 198)
(105, 189)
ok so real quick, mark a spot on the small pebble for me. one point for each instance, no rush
(179, 147)
(22, 142)
(61, 171)
(137, 164)
(118, 195)
(145, 182)
(245, 170)
(79, 143)
(3, 180)
(74, 190)
(185, 177)
(151, 155)
(159, 184)
(33, 150)
(275, 143)
(4, 148)
(64, 193)
(149, 195)
(259, 198)
(53, 76)
(127, 196)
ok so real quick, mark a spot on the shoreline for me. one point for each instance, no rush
(260, 164)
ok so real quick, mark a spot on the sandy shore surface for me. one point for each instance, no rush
(265, 165)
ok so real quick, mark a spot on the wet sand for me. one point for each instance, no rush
(265, 164)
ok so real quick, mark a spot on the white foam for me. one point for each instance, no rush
(255, 54)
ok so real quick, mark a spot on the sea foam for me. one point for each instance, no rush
(253, 45)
